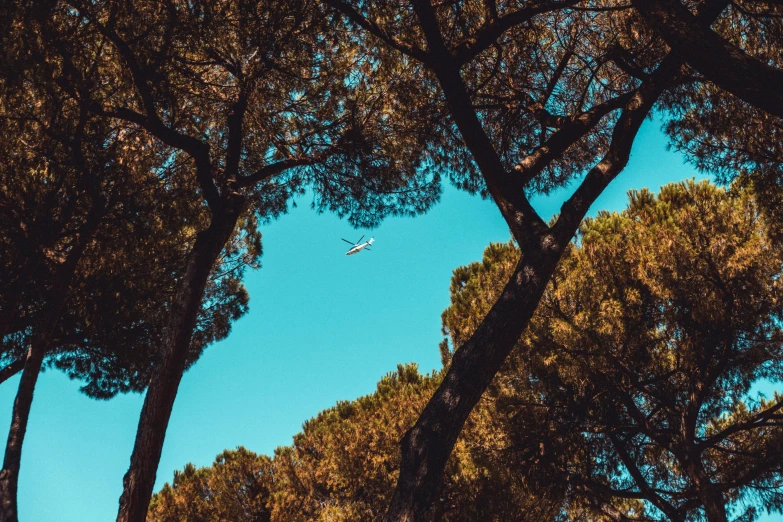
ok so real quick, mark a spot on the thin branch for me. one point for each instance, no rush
(485, 38)
(273, 169)
(357, 18)
(151, 121)
(757, 421)
(12, 369)
(641, 482)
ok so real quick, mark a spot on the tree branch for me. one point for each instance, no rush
(506, 189)
(571, 130)
(485, 38)
(151, 121)
(193, 147)
(749, 424)
(624, 134)
(357, 18)
(723, 63)
(12, 369)
(268, 171)
(641, 482)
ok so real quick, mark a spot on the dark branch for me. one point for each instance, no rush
(485, 38)
(506, 189)
(151, 121)
(354, 16)
(724, 64)
(757, 421)
(12, 369)
(272, 170)
(571, 130)
(641, 482)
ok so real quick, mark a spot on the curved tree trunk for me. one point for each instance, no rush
(159, 401)
(9, 476)
(427, 446)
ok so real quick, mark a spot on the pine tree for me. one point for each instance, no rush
(91, 248)
(633, 380)
(522, 97)
(252, 102)
(343, 467)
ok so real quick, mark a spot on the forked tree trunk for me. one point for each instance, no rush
(9, 476)
(427, 446)
(159, 401)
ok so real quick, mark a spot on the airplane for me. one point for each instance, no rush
(358, 246)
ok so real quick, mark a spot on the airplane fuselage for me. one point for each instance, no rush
(357, 248)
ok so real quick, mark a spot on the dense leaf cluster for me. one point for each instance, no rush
(630, 395)
(343, 467)
(144, 143)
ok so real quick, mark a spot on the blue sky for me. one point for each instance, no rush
(322, 327)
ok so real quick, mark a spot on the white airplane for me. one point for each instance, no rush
(358, 246)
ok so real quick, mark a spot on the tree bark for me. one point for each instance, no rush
(427, 446)
(159, 401)
(710, 497)
(9, 476)
(724, 64)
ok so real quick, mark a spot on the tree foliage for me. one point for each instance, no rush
(629, 398)
(111, 325)
(634, 378)
(246, 103)
(236, 487)
(344, 463)
(232, 108)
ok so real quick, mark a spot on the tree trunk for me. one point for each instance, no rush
(713, 506)
(159, 401)
(710, 497)
(9, 476)
(427, 446)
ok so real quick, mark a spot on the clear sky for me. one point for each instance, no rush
(322, 327)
